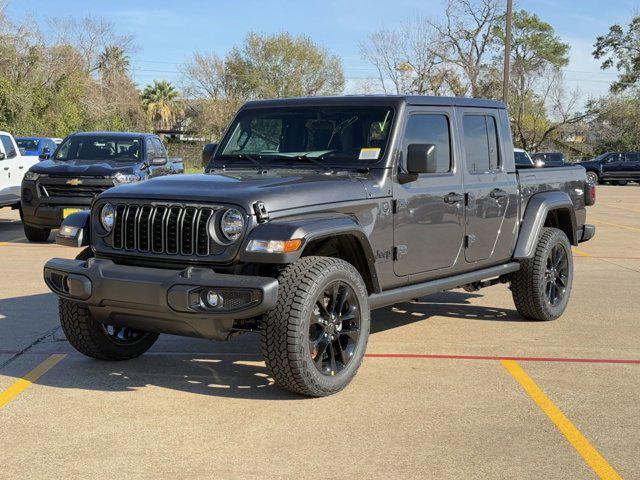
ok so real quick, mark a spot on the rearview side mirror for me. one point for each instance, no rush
(207, 152)
(422, 158)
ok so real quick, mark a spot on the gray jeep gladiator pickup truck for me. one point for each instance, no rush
(311, 213)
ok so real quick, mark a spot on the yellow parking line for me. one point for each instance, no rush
(580, 253)
(11, 241)
(590, 455)
(25, 382)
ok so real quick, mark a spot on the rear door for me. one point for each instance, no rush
(10, 178)
(632, 165)
(491, 189)
(429, 212)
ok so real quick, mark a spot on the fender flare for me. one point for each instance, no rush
(535, 215)
(308, 229)
(78, 231)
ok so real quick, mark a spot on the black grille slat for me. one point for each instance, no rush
(72, 191)
(187, 227)
(202, 235)
(173, 218)
(130, 223)
(164, 229)
(144, 228)
(157, 230)
(118, 226)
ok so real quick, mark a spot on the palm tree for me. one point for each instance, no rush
(161, 102)
(113, 61)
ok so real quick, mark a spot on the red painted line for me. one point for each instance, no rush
(491, 357)
(382, 355)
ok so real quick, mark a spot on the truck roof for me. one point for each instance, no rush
(395, 100)
(114, 134)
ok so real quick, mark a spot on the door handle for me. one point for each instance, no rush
(21, 167)
(6, 168)
(498, 193)
(453, 198)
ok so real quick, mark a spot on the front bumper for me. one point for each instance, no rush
(160, 300)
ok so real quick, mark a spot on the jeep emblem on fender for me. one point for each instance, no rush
(74, 181)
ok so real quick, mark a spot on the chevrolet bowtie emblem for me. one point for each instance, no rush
(74, 182)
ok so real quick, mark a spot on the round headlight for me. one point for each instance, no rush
(232, 224)
(107, 216)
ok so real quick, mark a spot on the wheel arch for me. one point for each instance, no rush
(336, 235)
(548, 209)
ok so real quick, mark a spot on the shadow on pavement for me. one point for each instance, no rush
(224, 369)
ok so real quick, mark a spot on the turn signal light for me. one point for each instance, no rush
(274, 246)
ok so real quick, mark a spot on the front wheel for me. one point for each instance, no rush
(314, 340)
(97, 340)
(622, 183)
(34, 234)
(542, 286)
(592, 178)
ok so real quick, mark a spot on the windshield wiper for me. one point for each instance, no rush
(306, 158)
(244, 156)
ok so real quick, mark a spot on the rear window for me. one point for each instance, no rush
(481, 143)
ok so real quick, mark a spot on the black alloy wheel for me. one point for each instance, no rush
(556, 275)
(334, 328)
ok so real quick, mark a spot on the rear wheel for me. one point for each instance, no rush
(35, 234)
(542, 286)
(314, 340)
(622, 182)
(97, 340)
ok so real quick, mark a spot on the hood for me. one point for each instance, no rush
(89, 168)
(278, 189)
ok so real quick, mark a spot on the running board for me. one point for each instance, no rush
(409, 292)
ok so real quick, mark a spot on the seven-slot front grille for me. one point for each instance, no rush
(163, 229)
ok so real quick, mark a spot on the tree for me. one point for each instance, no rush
(405, 59)
(265, 66)
(161, 102)
(617, 124)
(466, 38)
(281, 65)
(537, 56)
(621, 50)
(113, 61)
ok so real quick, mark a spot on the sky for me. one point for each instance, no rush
(167, 33)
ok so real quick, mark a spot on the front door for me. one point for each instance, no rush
(9, 178)
(429, 212)
(613, 166)
(491, 190)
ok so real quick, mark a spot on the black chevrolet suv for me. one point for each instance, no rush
(313, 212)
(83, 166)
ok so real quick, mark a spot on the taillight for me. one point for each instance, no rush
(589, 194)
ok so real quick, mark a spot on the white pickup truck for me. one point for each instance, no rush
(13, 166)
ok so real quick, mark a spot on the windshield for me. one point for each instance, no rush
(27, 144)
(99, 147)
(356, 135)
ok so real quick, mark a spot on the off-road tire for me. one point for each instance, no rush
(89, 337)
(528, 283)
(622, 183)
(35, 234)
(285, 331)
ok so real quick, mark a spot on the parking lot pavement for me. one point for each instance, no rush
(432, 400)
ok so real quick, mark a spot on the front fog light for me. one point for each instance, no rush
(107, 216)
(212, 299)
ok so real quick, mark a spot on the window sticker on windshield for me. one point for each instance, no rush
(369, 154)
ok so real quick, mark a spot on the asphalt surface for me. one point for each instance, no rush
(433, 399)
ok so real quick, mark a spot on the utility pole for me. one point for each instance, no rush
(507, 53)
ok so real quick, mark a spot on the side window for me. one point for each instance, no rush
(151, 149)
(8, 147)
(160, 150)
(481, 143)
(434, 129)
(631, 157)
